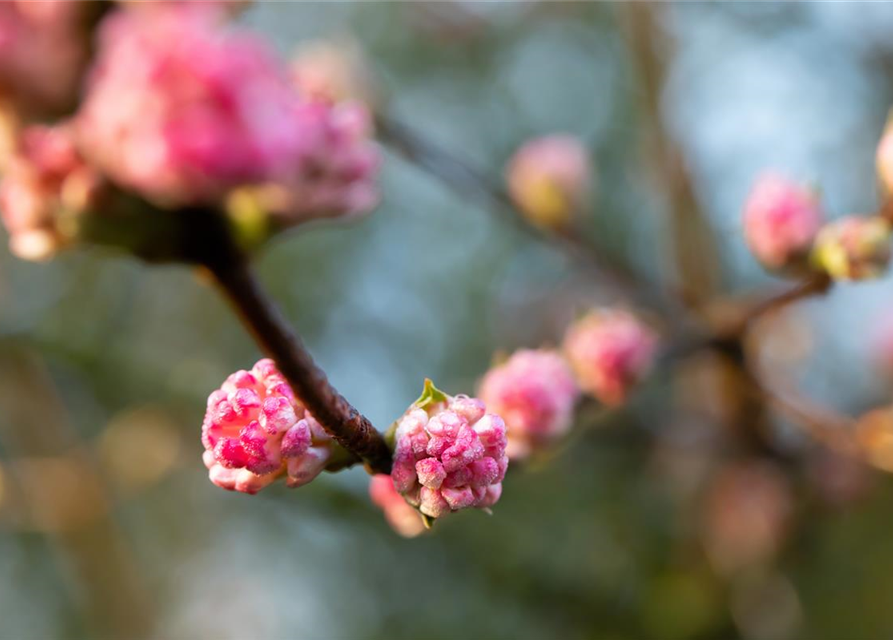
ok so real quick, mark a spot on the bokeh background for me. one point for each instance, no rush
(655, 524)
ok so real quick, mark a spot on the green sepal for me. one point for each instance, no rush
(431, 395)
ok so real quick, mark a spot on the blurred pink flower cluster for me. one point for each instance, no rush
(449, 454)
(550, 180)
(605, 354)
(256, 431)
(854, 247)
(43, 51)
(180, 107)
(337, 165)
(403, 518)
(781, 220)
(184, 109)
(609, 350)
(784, 227)
(534, 392)
(43, 174)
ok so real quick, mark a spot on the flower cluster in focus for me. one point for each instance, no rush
(449, 454)
(255, 431)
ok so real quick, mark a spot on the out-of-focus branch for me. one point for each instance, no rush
(63, 496)
(209, 237)
(694, 250)
(464, 178)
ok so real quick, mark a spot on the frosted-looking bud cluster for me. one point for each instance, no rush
(255, 431)
(449, 454)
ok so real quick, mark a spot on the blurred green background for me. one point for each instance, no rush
(646, 527)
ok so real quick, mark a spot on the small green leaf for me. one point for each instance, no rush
(430, 395)
(428, 521)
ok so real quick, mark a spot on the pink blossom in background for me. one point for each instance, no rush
(403, 518)
(183, 108)
(781, 219)
(337, 166)
(853, 248)
(884, 159)
(332, 72)
(534, 393)
(43, 175)
(255, 431)
(550, 180)
(449, 454)
(747, 515)
(609, 352)
(43, 51)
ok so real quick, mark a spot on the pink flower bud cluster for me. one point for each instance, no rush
(43, 50)
(449, 454)
(44, 174)
(549, 179)
(181, 108)
(854, 248)
(332, 72)
(403, 518)
(609, 352)
(256, 431)
(781, 220)
(186, 110)
(534, 392)
(884, 158)
(337, 165)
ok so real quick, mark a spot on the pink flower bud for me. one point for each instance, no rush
(781, 219)
(609, 351)
(747, 515)
(336, 168)
(534, 392)
(549, 179)
(884, 158)
(403, 518)
(43, 51)
(40, 178)
(853, 248)
(256, 431)
(449, 455)
(182, 108)
(332, 72)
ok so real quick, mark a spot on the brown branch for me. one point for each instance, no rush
(694, 251)
(211, 244)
